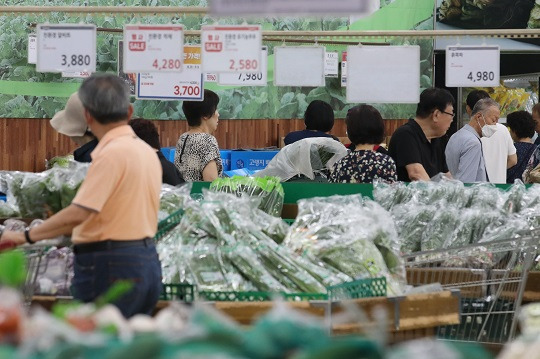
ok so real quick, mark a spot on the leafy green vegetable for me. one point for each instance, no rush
(12, 268)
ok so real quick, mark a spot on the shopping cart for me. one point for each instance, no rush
(36, 265)
(491, 279)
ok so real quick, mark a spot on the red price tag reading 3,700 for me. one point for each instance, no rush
(153, 48)
(231, 48)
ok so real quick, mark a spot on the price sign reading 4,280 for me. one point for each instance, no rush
(69, 48)
(153, 48)
(231, 48)
(472, 66)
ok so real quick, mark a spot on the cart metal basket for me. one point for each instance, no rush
(36, 266)
(491, 280)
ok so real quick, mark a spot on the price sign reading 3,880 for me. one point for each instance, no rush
(66, 48)
(231, 48)
(472, 66)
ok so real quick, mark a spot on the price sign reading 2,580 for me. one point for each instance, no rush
(243, 65)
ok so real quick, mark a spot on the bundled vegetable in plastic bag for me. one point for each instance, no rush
(411, 222)
(173, 198)
(268, 189)
(307, 157)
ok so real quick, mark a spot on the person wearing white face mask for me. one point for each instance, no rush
(464, 149)
(497, 147)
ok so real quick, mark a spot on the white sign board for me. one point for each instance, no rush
(153, 48)
(299, 66)
(383, 74)
(344, 69)
(185, 85)
(231, 48)
(472, 66)
(289, 7)
(331, 65)
(66, 47)
(248, 79)
(32, 49)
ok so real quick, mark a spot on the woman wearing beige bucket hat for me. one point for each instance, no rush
(71, 122)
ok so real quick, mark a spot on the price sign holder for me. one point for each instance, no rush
(472, 66)
(153, 48)
(231, 48)
(331, 64)
(32, 48)
(185, 85)
(248, 79)
(344, 69)
(66, 47)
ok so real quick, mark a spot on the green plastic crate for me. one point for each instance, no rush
(289, 221)
(179, 292)
(168, 223)
(362, 288)
(258, 296)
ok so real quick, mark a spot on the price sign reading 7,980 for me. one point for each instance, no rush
(153, 48)
(472, 66)
(231, 48)
(66, 48)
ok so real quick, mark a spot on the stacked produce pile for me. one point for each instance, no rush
(431, 215)
(39, 195)
(226, 243)
(268, 189)
(351, 234)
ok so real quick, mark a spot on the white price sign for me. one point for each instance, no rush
(32, 49)
(185, 85)
(248, 79)
(231, 48)
(331, 64)
(153, 48)
(472, 66)
(66, 47)
(344, 69)
(266, 7)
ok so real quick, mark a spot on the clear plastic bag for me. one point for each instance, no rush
(305, 157)
(173, 198)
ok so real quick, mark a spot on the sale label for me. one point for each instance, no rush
(66, 47)
(251, 78)
(472, 66)
(185, 85)
(153, 48)
(331, 65)
(231, 48)
(32, 49)
(344, 69)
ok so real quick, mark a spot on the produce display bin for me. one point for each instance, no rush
(178, 292)
(258, 296)
(252, 160)
(168, 224)
(362, 288)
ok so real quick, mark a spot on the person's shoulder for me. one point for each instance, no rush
(382, 156)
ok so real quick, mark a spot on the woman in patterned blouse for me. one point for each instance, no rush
(197, 154)
(365, 128)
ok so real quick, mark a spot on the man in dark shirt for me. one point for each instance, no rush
(416, 146)
(147, 132)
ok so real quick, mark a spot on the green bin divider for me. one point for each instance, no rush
(168, 223)
(258, 296)
(361, 288)
(180, 292)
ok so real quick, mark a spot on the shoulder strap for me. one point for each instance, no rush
(183, 148)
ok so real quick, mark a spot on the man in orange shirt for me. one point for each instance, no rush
(113, 217)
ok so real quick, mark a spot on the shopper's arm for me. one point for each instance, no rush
(61, 223)
(417, 172)
(511, 161)
(210, 171)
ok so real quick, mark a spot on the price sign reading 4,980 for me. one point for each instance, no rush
(153, 48)
(472, 66)
(66, 48)
(231, 48)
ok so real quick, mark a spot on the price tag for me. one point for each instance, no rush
(344, 69)
(153, 48)
(185, 85)
(231, 48)
(248, 79)
(331, 65)
(66, 47)
(77, 74)
(287, 7)
(472, 66)
(211, 77)
(32, 49)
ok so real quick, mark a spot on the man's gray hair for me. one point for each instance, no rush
(106, 97)
(483, 104)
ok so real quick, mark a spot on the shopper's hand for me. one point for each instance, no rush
(14, 237)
